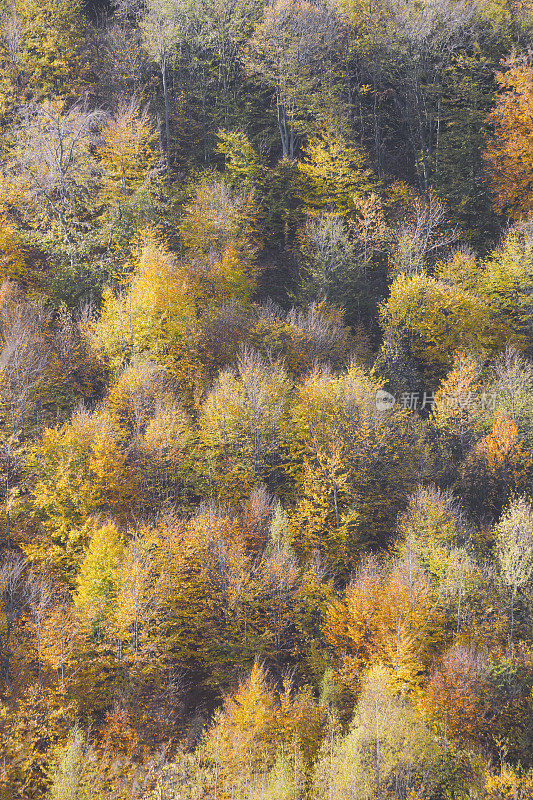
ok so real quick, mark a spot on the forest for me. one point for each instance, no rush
(266, 400)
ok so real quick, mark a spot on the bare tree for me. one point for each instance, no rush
(422, 234)
(125, 58)
(289, 51)
(512, 389)
(514, 544)
(160, 34)
(280, 574)
(25, 340)
(13, 591)
(39, 601)
(10, 38)
(421, 40)
(25, 352)
(51, 167)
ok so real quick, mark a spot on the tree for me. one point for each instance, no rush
(423, 232)
(307, 338)
(139, 593)
(509, 146)
(332, 269)
(14, 254)
(495, 469)
(38, 604)
(241, 160)
(335, 175)
(512, 388)
(455, 695)
(415, 46)
(460, 268)
(438, 321)
(59, 640)
(280, 578)
(51, 165)
(73, 775)
(387, 752)
(514, 548)
(206, 85)
(169, 447)
(14, 594)
(217, 218)
(97, 589)
(161, 35)
(124, 62)
(26, 362)
(242, 426)
(39, 724)
(289, 51)
(78, 471)
(48, 184)
(353, 457)
(466, 100)
(128, 185)
(349, 624)
(409, 624)
(258, 731)
(154, 317)
(458, 413)
(505, 282)
(389, 616)
(430, 529)
(243, 740)
(48, 53)
(10, 40)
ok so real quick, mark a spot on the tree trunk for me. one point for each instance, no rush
(167, 114)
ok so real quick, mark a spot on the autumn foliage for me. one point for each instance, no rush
(266, 400)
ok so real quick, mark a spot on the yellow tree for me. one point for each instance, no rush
(97, 579)
(156, 430)
(438, 321)
(506, 281)
(242, 426)
(236, 281)
(140, 590)
(335, 176)
(359, 464)
(47, 52)
(78, 471)
(154, 317)
(169, 446)
(243, 740)
(128, 159)
(39, 723)
(257, 726)
(59, 468)
(13, 254)
(387, 752)
(461, 269)
(59, 637)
